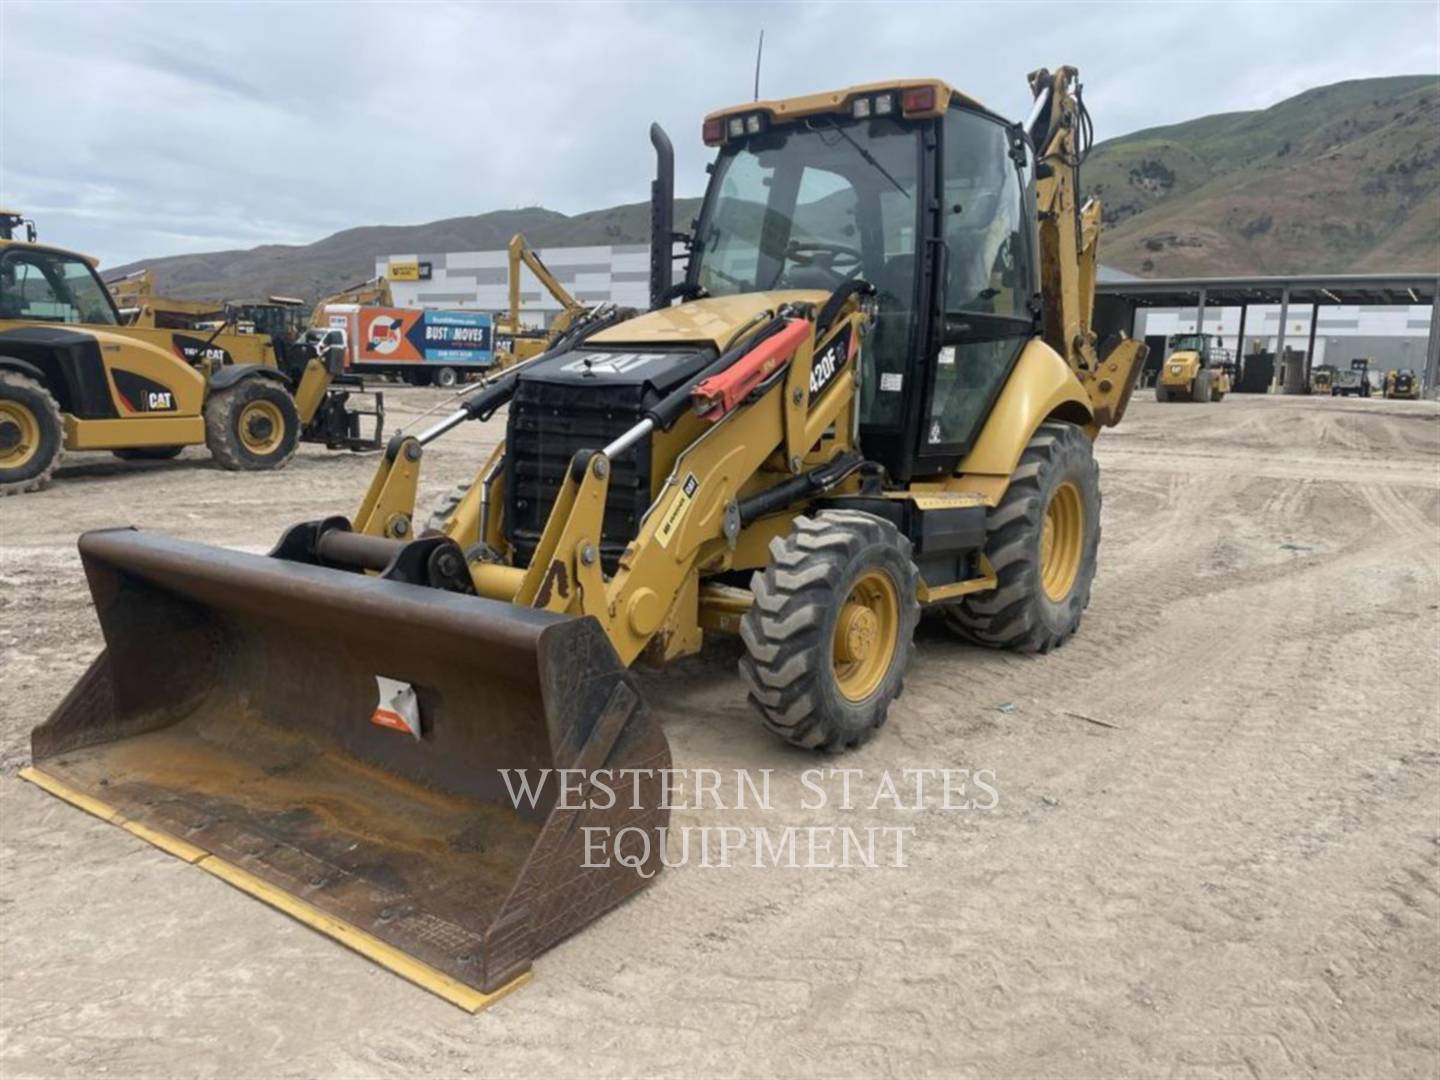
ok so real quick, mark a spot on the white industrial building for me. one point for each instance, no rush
(480, 279)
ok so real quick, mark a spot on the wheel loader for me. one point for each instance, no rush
(1197, 369)
(875, 391)
(73, 377)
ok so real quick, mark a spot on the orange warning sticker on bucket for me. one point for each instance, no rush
(398, 708)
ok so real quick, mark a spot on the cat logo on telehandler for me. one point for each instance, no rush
(739, 482)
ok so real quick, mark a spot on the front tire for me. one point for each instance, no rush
(831, 634)
(32, 435)
(1042, 541)
(252, 425)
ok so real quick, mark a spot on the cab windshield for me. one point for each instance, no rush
(809, 205)
(1187, 343)
(49, 286)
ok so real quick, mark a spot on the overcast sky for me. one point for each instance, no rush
(131, 130)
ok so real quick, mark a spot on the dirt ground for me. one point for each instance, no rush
(1214, 851)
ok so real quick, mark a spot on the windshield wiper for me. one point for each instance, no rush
(869, 157)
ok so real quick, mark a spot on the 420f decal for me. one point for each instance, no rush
(829, 362)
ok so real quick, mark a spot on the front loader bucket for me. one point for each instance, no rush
(232, 720)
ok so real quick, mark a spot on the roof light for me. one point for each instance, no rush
(919, 99)
(752, 124)
(737, 126)
(860, 108)
(884, 105)
(713, 131)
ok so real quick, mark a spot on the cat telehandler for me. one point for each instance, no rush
(74, 376)
(874, 391)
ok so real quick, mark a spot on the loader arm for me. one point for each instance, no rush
(695, 519)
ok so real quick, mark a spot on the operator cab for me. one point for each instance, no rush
(915, 189)
(44, 284)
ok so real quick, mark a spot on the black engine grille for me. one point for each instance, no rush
(548, 423)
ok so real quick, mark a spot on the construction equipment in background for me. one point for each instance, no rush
(1322, 378)
(879, 392)
(372, 293)
(1402, 383)
(15, 226)
(139, 305)
(1354, 382)
(1197, 369)
(514, 341)
(73, 377)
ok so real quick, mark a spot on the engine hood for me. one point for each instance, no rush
(701, 322)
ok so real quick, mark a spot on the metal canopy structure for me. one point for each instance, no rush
(1322, 289)
(1315, 290)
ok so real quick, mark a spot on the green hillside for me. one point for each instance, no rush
(1343, 178)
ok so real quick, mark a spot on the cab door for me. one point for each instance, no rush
(986, 288)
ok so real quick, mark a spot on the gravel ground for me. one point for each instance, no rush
(1214, 850)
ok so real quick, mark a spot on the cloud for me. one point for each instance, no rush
(131, 130)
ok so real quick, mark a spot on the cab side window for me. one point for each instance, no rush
(989, 277)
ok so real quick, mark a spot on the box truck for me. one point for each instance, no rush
(421, 347)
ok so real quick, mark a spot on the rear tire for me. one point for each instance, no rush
(1161, 394)
(148, 453)
(1042, 590)
(831, 634)
(32, 435)
(252, 425)
(1200, 388)
(446, 377)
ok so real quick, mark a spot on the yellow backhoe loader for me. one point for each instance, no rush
(1197, 369)
(876, 390)
(514, 341)
(74, 377)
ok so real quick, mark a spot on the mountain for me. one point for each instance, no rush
(1342, 178)
(329, 265)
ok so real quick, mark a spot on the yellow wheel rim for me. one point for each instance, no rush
(262, 427)
(1062, 541)
(19, 435)
(865, 635)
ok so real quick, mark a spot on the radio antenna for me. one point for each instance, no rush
(759, 51)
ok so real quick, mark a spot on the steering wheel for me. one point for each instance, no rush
(839, 260)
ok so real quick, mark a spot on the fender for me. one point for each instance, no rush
(231, 374)
(1042, 387)
(22, 367)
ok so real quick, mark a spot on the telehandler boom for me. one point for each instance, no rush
(875, 389)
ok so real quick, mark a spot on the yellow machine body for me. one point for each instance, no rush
(1197, 369)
